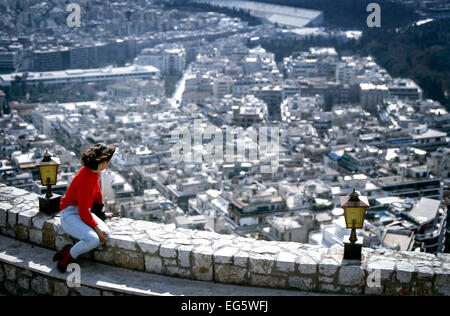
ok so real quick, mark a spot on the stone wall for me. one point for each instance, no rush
(207, 256)
(24, 282)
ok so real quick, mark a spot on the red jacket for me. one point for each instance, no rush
(83, 191)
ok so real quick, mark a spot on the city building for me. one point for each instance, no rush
(254, 207)
(81, 76)
(430, 220)
(222, 86)
(292, 228)
(10, 60)
(249, 110)
(372, 96)
(404, 89)
(169, 58)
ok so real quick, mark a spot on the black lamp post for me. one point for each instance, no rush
(355, 207)
(48, 171)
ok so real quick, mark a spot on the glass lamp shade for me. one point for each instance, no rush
(48, 174)
(354, 216)
(355, 207)
(48, 170)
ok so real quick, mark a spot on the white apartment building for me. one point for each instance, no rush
(346, 73)
(301, 68)
(372, 95)
(222, 86)
(169, 58)
(427, 138)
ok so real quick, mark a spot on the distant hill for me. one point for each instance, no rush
(352, 13)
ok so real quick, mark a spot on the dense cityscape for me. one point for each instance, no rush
(142, 76)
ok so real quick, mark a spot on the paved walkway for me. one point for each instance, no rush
(111, 278)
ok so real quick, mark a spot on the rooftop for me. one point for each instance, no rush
(82, 73)
(399, 240)
(425, 210)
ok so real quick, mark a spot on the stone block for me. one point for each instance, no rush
(423, 288)
(225, 255)
(148, 246)
(16, 192)
(325, 279)
(442, 283)
(41, 285)
(267, 281)
(106, 256)
(328, 267)
(230, 274)
(39, 220)
(385, 269)
(22, 233)
(178, 272)
(271, 249)
(36, 236)
(48, 236)
(25, 218)
(329, 288)
(184, 255)
(9, 232)
(60, 289)
(443, 256)
(57, 227)
(353, 290)
(286, 261)
(23, 282)
(12, 218)
(241, 259)
(404, 271)
(351, 276)
(10, 272)
(153, 264)
(262, 264)
(302, 283)
(25, 272)
(11, 287)
(169, 262)
(397, 290)
(202, 260)
(424, 273)
(122, 241)
(306, 265)
(129, 259)
(168, 251)
(4, 207)
(373, 290)
(30, 197)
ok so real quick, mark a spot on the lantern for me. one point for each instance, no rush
(355, 207)
(48, 171)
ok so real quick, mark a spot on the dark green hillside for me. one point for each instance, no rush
(421, 53)
(352, 13)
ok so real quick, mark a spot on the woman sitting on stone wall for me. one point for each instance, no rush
(83, 197)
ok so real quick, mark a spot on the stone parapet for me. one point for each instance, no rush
(207, 256)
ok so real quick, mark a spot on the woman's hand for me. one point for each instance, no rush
(101, 234)
(109, 215)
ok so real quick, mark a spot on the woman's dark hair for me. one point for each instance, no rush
(96, 154)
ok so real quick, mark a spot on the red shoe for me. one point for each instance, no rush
(64, 262)
(60, 254)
